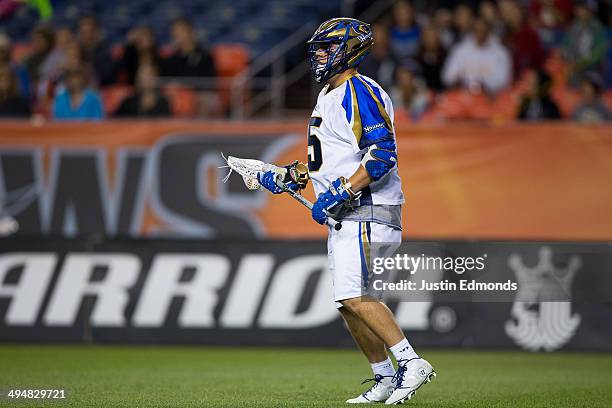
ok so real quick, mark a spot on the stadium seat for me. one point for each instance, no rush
(505, 106)
(230, 60)
(183, 101)
(112, 97)
(462, 105)
(566, 98)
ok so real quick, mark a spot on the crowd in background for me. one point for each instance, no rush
(65, 70)
(486, 47)
(480, 47)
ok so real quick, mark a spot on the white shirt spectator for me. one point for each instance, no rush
(476, 66)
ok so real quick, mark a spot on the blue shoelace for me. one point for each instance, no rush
(398, 377)
(377, 379)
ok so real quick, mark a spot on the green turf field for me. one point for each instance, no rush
(107, 376)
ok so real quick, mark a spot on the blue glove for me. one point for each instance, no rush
(268, 180)
(337, 194)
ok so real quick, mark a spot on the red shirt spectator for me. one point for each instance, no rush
(523, 40)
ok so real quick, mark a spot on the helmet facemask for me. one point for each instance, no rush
(326, 59)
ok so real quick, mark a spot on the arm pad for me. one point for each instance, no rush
(380, 159)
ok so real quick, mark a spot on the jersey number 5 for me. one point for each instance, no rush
(315, 156)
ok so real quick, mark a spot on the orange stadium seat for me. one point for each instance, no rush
(112, 97)
(566, 98)
(505, 106)
(461, 104)
(449, 105)
(183, 101)
(230, 60)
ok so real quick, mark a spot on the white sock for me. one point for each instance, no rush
(403, 350)
(384, 368)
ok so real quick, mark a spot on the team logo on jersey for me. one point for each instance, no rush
(542, 316)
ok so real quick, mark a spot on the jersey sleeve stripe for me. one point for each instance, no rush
(379, 104)
(375, 88)
(357, 127)
(374, 123)
(347, 102)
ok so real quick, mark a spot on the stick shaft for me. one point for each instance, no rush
(300, 198)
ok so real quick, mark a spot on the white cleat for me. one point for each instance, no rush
(409, 377)
(379, 392)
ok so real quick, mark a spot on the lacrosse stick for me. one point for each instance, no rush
(249, 168)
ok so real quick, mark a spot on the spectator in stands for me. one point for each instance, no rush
(74, 59)
(522, 39)
(431, 57)
(463, 19)
(77, 101)
(489, 12)
(42, 44)
(550, 17)
(405, 33)
(585, 43)
(95, 50)
(380, 64)
(52, 66)
(148, 100)
(141, 49)
(591, 108)
(409, 95)
(443, 22)
(479, 62)
(537, 104)
(19, 70)
(189, 59)
(12, 105)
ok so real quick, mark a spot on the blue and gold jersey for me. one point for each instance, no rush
(345, 122)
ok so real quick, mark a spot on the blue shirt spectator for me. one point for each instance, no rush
(77, 102)
(405, 33)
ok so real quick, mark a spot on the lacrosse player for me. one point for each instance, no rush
(352, 162)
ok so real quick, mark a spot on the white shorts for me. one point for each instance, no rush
(349, 252)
